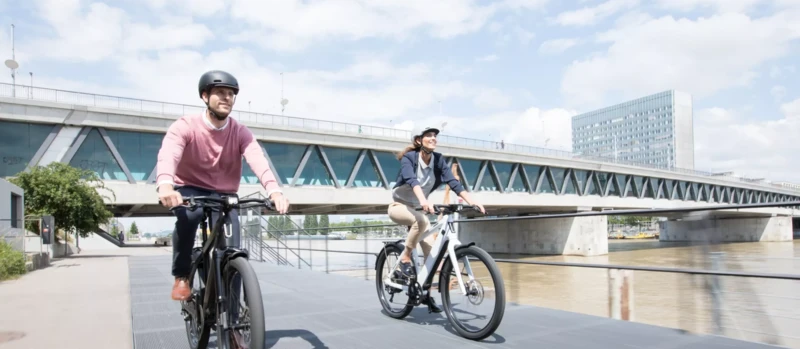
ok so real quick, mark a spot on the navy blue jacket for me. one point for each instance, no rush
(441, 172)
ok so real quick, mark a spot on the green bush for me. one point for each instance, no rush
(12, 262)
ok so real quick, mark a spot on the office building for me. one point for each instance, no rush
(655, 130)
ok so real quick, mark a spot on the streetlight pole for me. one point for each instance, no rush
(13, 65)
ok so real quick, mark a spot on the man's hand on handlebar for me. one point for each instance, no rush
(480, 207)
(280, 202)
(169, 197)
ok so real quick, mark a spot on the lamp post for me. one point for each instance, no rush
(13, 65)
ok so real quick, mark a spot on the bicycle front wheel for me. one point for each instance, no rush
(485, 293)
(245, 308)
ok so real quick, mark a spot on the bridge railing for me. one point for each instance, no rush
(176, 110)
(712, 287)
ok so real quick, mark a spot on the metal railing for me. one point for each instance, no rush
(177, 110)
(13, 232)
(705, 291)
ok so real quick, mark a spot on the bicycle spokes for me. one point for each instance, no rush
(391, 271)
(239, 316)
(472, 310)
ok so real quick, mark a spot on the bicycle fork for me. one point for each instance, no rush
(221, 302)
(451, 253)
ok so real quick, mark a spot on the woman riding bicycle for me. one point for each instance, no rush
(421, 171)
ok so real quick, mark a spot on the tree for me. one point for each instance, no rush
(286, 223)
(114, 230)
(324, 223)
(67, 193)
(134, 230)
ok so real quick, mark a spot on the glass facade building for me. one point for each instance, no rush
(657, 130)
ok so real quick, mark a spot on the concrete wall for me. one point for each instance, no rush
(583, 236)
(11, 194)
(761, 229)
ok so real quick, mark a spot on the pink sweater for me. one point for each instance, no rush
(194, 153)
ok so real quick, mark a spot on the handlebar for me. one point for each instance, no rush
(450, 208)
(227, 202)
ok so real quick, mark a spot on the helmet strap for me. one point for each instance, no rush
(210, 111)
(422, 147)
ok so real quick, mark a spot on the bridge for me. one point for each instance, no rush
(331, 167)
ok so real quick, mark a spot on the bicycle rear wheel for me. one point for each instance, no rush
(245, 310)
(384, 266)
(479, 293)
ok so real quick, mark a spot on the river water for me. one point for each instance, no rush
(760, 310)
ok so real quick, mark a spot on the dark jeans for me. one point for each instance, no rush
(187, 225)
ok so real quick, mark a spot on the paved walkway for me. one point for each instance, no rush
(80, 302)
(105, 299)
(311, 309)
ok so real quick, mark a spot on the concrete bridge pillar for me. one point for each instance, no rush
(582, 236)
(752, 229)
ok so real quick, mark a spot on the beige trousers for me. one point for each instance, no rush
(405, 215)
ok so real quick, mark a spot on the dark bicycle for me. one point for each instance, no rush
(221, 265)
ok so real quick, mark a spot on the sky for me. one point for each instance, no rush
(511, 70)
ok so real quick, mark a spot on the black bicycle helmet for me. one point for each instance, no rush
(217, 78)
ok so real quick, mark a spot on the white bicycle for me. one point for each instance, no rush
(457, 281)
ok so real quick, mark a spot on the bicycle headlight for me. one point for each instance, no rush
(232, 200)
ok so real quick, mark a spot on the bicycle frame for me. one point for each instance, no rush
(215, 253)
(447, 236)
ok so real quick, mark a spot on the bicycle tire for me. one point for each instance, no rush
(253, 298)
(500, 293)
(203, 330)
(379, 285)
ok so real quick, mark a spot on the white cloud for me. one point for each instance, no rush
(525, 4)
(294, 25)
(192, 7)
(592, 15)
(778, 92)
(488, 58)
(491, 98)
(701, 56)
(90, 37)
(726, 141)
(96, 32)
(371, 90)
(780, 72)
(555, 46)
(533, 126)
(720, 5)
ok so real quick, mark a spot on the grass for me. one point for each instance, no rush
(12, 262)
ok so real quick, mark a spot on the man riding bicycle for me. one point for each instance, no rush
(421, 171)
(202, 155)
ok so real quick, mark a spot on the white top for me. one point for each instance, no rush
(405, 194)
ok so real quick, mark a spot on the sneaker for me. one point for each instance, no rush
(181, 290)
(406, 270)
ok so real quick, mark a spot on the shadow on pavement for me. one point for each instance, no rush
(271, 338)
(420, 316)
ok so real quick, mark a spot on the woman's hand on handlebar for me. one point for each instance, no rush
(169, 197)
(280, 202)
(427, 207)
(480, 207)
